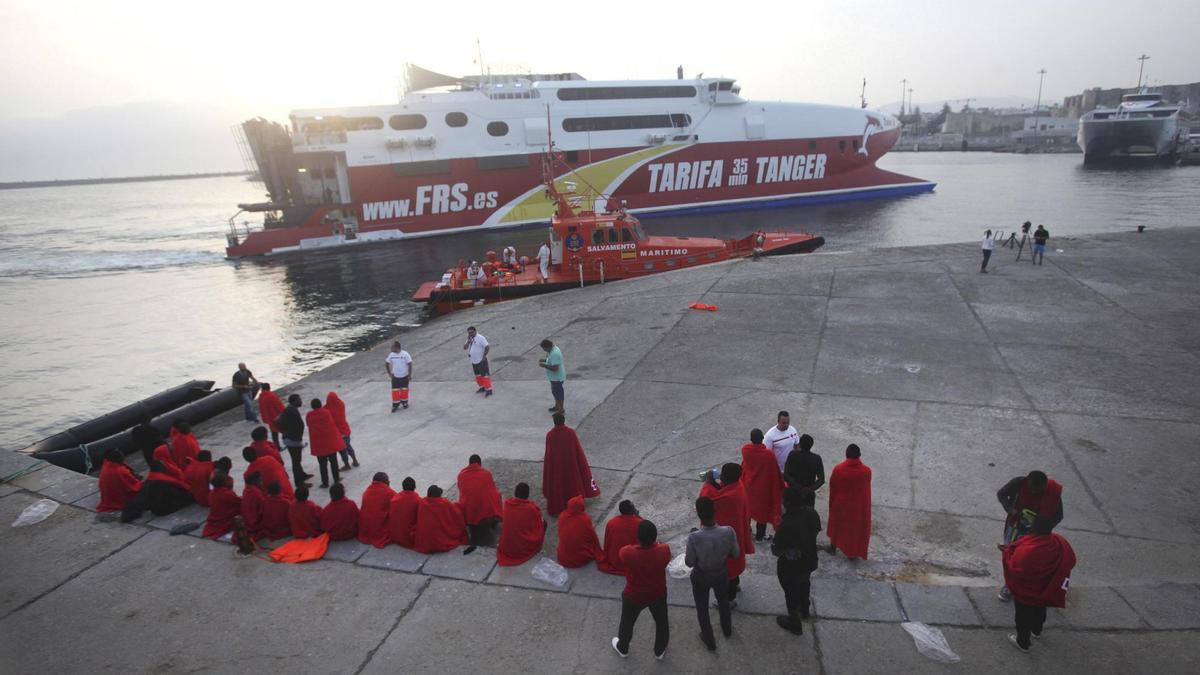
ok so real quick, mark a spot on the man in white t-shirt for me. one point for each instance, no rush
(781, 438)
(477, 350)
(399, 367)
(988, 243)
(543, 257)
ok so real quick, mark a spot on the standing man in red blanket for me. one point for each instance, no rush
(269, 407)
(732, 510)
(850, 505)
(1024, 499)
(565, 469)
(479, 501)
(764, 484)
(1037, 570)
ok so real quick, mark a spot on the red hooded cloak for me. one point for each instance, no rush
(849, 525)
(118, 485)
(184, 447)
(162, 455)
(1037, 569)
(198, 476)
(270, 470)
(323, 436)
(732, 509)
(337, 408)
(269, 407)
(523, 532)
(223, 505)
(440, 526)
(477, 494)
(252, 510)
(266, 448)
(340, 519)
(619, 532)
(305, 519)
(577, 540)
(763, 483)
(565, 470)
(373, 515)
(275, 518)
(402, 518)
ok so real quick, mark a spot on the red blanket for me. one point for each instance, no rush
(577, 540)
(1037, 569)
(763, 482)
(118, 485)
(162, 455)
(523, 532)
(304, 518)
(477, 494)
(565, 470)
(733, 510)
(402, 518)
(223, 505)
(268, 449)
(440, 526)
(849, 524)
(337, 408)
(271, 471)
(275, 521)
(323, 436)
(269, 407)
(198, 476)
(373, 514)
(621, 531)
(340, 519)
(184, 447)
(252, 510)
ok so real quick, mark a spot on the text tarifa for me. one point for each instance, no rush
(710, 173)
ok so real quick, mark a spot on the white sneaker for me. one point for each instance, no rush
(1004, 595)
(1012, 637)
(618, 649)
(660, 656)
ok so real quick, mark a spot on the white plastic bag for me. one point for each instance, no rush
(930, 642)
(678, 569)
(549, 572)
(36, 513)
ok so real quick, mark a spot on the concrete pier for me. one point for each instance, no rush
(951, 381)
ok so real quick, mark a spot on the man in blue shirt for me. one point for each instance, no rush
(556, 373)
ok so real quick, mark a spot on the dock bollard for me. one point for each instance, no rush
(1141, 228)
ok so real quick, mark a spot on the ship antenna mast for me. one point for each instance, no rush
(479, 57)
(1141, 66)
(559, 199)
(863, 95)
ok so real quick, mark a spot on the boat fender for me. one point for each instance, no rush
(700, 305)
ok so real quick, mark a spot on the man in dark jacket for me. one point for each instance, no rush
(291, 424)
(796, 547)
(1024, 499)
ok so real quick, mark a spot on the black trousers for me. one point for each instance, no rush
(482, 533)
(298, 474)
(987, 253)
(718, 583)
(1030, 620)
(796, 582)
(629, 616)
(330, 461)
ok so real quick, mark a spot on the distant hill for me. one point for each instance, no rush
(138, 139)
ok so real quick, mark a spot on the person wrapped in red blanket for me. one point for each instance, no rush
(184, 445)
(440, 524)
(523, 531)
(373, 513)
(223, 505)
(198, 476)
(732, 510)
(402, 514)
(849, 524)
(340, 516)
(1037, 571)
(275, 513)
(479, 501)
(118, 483)
(304, 517)
(577, 540)
(620, 531)
(763, 483)
(565, 469)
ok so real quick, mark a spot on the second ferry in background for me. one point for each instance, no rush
(463, 153)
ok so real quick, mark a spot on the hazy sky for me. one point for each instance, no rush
(217, 62)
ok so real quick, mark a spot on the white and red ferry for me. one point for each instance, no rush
(457, 154)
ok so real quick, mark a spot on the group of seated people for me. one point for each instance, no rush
(486, 274)
(273, 509)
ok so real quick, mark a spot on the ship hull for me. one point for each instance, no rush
(391, 201)
(1129, 140)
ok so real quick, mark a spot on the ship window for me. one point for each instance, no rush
(672, 262)
(406, 122)
(329, 172)
(842, 146)
(497, 128)
(612, 235)
(626, 235)
(502, 162)
(712, 86)
(639, 232)
(648, 266)
(691, 259)
(856, 145)
(712, 255)
(616, 123)
(812, 145)
(727, 85)
(336, 124)
(573, 156)
(597, 236)
(456, 119)
(609, 93)
(430, 167)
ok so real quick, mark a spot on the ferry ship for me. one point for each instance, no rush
(1142, 127)
(462, 153)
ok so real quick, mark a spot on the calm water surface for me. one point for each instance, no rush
(110, 293)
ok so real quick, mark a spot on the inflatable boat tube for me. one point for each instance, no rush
(124, 418)
(195, 412)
